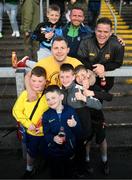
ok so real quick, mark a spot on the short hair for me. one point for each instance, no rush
(79, 68)
(54, 7)
(104, 20)
(77, 7)
(39, 71)
(66, 67)
(60, 38)
(53, 88)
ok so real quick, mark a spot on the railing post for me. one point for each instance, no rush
(20, 87)
(41, 11)
(20, 80)
(120, 7)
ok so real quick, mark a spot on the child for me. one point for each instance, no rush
(22, 111)
(62, 131)
(46, 31)
(83, 77)
(74, 97)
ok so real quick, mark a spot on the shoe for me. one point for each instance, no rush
(28, 175)
(22, 62)
(17, 34)
(106, 168)
(13, 34)
(1, 35)
(89, 168)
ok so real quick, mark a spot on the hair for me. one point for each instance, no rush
(60, 38)
(77, 7)
(54, 7)
(53, 88)
(104, 20)
(66, 67)
(92, 75)
(39, 71)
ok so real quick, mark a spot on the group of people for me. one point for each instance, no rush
(61, 108)
(11, 8)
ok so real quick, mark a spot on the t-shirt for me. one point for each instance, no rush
(53, 68)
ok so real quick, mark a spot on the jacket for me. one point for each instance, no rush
(110, 55)
(69, 98)
(43, 27)
(74, 42)
(52, 123)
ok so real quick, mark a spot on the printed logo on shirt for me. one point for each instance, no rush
(51, 120)
(91, 54)
(107, 56)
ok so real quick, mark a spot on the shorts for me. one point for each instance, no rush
(98, 131)
(33, 144)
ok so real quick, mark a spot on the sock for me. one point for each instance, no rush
(87, 158)
(104, 158)
(29, 168)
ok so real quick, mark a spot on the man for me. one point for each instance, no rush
(52, 64)
(30, 18)
(75, 30)
(101, 53)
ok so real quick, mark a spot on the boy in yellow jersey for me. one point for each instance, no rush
(22, 111)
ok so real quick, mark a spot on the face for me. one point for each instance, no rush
(60, 51)
(77, 17)
(103, 32)
(82, 78)
(54, 100)
(66, 78)
(53, 16)
(37, 83)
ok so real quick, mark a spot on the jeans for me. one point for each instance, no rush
(11, 10)
(1, 15)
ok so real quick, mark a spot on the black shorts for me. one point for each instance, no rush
(98, 131)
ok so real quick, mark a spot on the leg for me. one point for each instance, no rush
(1, 17)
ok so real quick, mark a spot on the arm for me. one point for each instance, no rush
(18, 111)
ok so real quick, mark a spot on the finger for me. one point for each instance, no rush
(72, 117)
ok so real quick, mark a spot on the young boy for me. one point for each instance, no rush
(74, 97)
(83, 77)
(22, 111)
(46, 31)
(61, 132)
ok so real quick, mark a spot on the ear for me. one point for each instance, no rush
(62, 96)
(68, 49)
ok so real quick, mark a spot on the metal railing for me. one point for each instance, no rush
(114, 16)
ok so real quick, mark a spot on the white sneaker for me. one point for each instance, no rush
(13, 34)
(1, 35)
(17, 34)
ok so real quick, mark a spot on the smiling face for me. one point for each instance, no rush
(77, 17)
(66, 78)
(103, 32)
(60, 51)
(37, 83)
(53, 16)
(54, 100)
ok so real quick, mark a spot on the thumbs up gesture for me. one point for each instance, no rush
(79, 96)
(71, 122)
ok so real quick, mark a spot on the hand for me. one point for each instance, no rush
(58, 139)
(71, 122)
(32, 95)
(88, 93)
(99, 70)
(79, 96)
(49, 35)
(32, 127)
(121, 41)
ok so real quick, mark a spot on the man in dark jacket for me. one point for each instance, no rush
(75, 30)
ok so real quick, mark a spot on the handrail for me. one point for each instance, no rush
(112, 13)
(120, 7)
